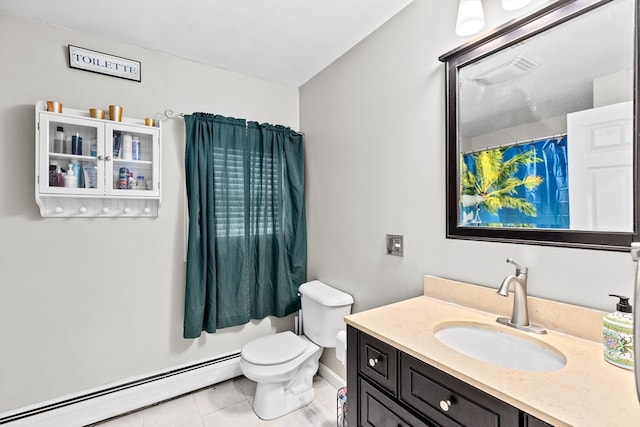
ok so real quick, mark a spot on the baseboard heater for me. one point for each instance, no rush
(107, 402)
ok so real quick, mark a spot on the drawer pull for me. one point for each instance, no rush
(373, 362)
(445, 405)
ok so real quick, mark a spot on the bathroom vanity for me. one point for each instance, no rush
(410, 385)
(399, 373)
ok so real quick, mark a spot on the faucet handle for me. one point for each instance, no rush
(519, 267)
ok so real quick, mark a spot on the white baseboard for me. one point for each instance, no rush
(100, 404)
(331, 377)
(92, 406)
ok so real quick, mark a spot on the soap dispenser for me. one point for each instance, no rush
(618, 334)
(70, 180)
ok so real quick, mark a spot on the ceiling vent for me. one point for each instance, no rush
(511, 69)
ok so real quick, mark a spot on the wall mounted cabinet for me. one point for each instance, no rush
(116, 165)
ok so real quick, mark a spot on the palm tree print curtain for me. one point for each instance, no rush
(246, 252)
(523, 185)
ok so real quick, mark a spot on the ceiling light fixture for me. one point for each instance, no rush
(514, 4)
(470, 17)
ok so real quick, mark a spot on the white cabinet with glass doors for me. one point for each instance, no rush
(88, 167)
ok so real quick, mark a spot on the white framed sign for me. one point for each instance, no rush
(98, 62)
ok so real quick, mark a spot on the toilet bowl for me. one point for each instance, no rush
(283, 364)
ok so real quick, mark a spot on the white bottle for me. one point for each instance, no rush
(59, 140)
(93, 147)
(70, 180)
(127, 147)
(135, 149)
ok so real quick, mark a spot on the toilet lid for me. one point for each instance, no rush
(274, 349)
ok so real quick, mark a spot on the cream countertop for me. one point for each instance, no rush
(588, 391)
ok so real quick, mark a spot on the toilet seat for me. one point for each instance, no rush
(274, 349)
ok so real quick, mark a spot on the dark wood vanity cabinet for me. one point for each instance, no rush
(390, 388)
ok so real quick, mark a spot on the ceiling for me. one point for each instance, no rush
(285, 41)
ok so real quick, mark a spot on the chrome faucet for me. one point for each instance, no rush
(518, 285)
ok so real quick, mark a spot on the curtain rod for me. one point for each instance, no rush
(170, 115)
(515, 144)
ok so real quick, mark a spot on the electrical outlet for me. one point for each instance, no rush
(395, 244)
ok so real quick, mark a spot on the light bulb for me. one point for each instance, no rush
(470, 17)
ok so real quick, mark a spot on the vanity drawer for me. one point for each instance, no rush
(378, 361)
(448, 401)
(378, 410)
(532, 421)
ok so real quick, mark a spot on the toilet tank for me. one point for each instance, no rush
(323, 311)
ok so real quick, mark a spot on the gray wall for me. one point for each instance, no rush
(86, 302)
(375, 126)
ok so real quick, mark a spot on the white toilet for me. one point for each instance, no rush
(283, 365)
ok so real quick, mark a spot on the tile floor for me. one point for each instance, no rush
(228, 404)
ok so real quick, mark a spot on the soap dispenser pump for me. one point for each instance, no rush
(618, 334)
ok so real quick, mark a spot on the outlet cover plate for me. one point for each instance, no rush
(395, 244)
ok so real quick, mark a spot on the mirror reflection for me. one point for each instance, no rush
(545, 128)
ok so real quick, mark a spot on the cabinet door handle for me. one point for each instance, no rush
(373, 362)
(445, 405)
(100, 157)
(108, 158)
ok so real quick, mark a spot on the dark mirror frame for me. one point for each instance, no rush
(502, 37)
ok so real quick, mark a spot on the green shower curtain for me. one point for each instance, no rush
(247, 239)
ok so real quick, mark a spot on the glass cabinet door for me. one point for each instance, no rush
(70, 143)
(132, 168)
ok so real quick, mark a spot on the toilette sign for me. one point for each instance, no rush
(97, 62)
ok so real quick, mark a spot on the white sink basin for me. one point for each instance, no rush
(498, 348)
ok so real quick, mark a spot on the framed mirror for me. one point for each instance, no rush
(542, 129)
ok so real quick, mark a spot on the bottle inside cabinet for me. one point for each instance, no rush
(132, 158)
(71, 145)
